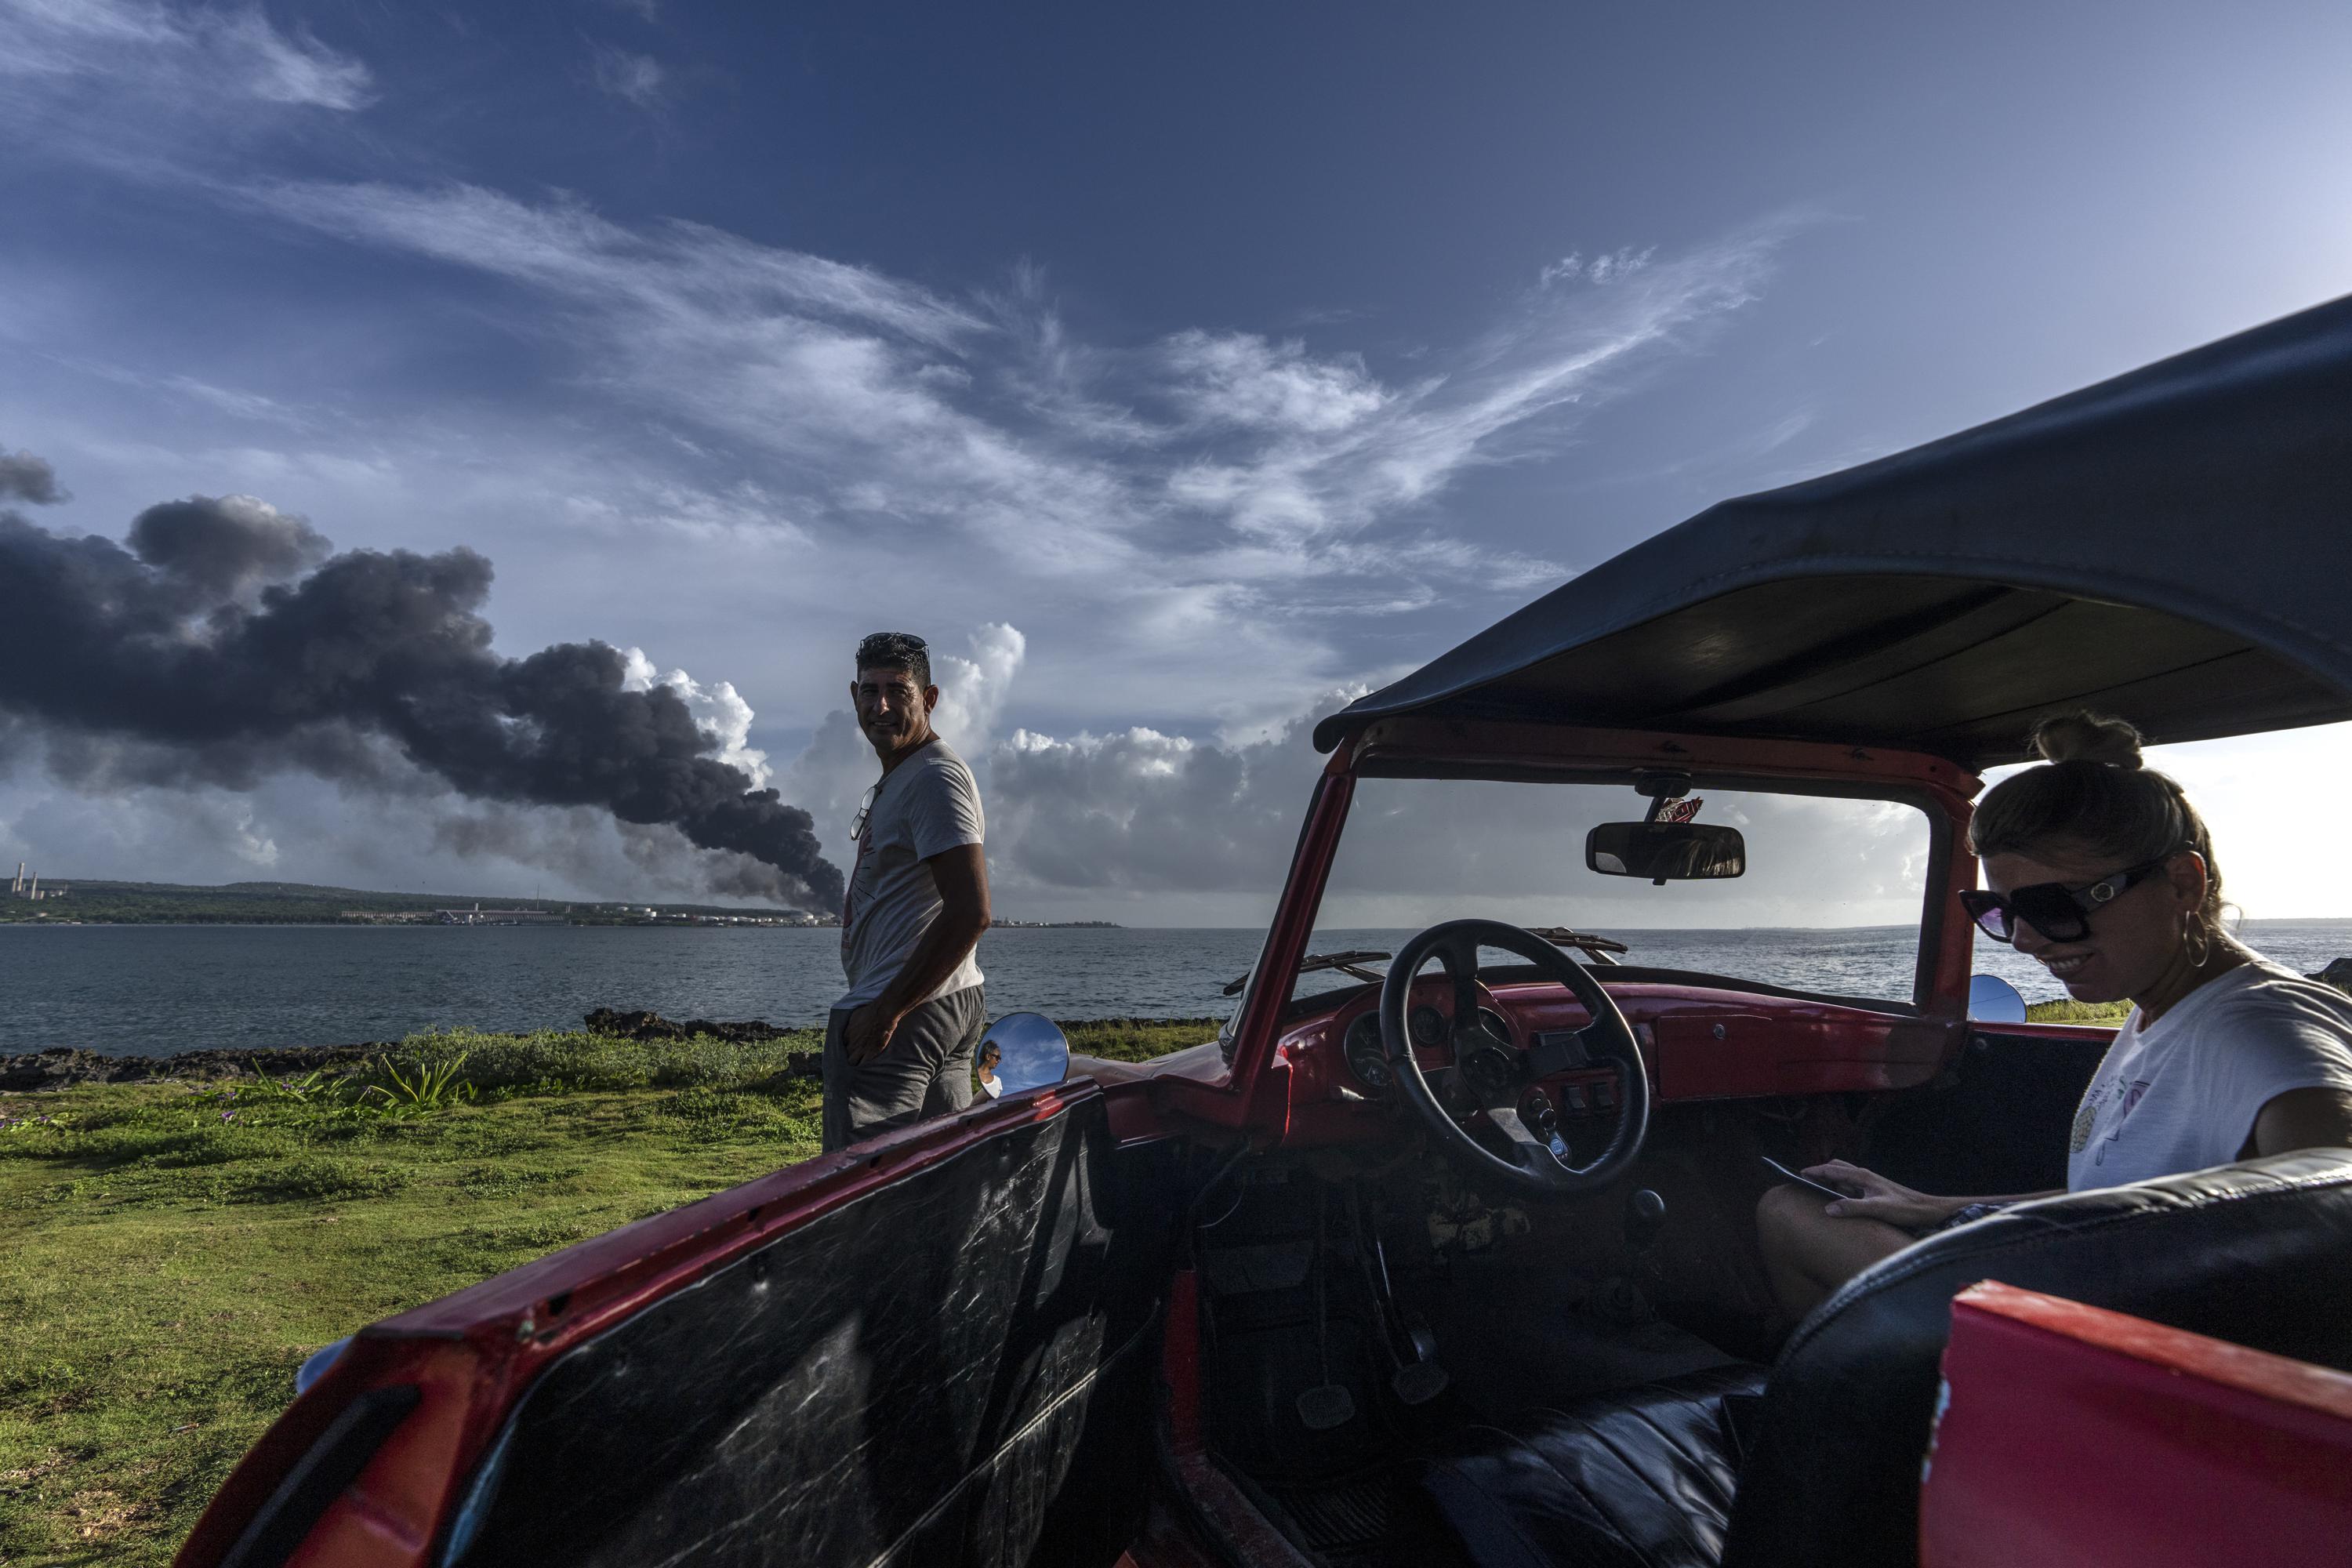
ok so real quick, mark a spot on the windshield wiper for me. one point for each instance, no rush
(1350, 963)
(1599, 949)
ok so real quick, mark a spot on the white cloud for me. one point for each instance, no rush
(637, 78)
(1142, 814)
(718, 709)
(196, 53)
(1217, 506)
(1142, 811)
(972, 691)
(1605, 267)
(1241, 380)
(746, 516)
(1497, 400)
(685, 277)
(233, 401)
(253, 846)
(869, 400)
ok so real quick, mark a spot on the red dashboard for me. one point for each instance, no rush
(1699, 1043)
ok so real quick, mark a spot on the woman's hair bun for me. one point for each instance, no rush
(2086, 737)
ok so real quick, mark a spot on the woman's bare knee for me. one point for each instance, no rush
(1787, 1212)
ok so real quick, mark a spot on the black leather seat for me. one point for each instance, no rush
(1619, 1480)
(2258, 1253)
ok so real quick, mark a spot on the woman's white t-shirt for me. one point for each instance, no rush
(2182, 1093)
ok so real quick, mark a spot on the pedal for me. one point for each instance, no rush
(1326, 1406)
(1419, 1382)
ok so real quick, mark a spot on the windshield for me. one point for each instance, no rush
(1829, 901)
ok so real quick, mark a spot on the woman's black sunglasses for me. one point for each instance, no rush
(2058, 911)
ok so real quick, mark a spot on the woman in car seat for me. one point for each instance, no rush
(2100, 867)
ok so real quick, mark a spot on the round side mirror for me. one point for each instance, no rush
(1020, 1051)
(314, 1366)
(1992, 1000)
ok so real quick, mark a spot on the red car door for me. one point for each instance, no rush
(932, 1348)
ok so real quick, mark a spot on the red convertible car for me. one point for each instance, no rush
(1455, 1263)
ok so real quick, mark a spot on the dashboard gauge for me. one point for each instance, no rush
(1366, 1058)
(1493, 1025)
(1428, 1027)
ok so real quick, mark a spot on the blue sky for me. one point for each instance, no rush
(1178, 369)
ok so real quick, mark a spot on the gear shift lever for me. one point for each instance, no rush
(1645, 1216)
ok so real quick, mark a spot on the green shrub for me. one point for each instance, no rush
(562, 1061)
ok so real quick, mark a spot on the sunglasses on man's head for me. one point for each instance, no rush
(2058, 911)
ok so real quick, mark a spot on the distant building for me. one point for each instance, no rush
(478, 916)
(29, 887)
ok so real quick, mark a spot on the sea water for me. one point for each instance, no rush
(154, 990)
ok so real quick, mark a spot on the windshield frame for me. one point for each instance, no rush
(1517, 750)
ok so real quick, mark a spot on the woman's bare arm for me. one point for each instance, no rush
(2302, 1119)
(1875, 1198)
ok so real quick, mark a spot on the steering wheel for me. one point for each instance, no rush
(1497, 1077)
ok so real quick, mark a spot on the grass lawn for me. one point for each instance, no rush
(173, 1251)
(2072, 1012)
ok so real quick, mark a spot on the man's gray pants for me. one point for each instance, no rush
(926, 1072)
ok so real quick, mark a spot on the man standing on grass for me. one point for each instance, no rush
(898, 1046)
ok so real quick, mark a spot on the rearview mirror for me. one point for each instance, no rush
(1666, 851)
(1021, 1051)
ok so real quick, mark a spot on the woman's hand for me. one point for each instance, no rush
(1877, 1198)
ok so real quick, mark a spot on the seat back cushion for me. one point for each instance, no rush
(2258, 1253)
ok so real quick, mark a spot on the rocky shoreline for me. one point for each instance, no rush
(68, 1067)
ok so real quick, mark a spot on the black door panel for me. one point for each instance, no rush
(1998, 1123)
(951, 1369)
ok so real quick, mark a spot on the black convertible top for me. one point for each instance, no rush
(2174, 546)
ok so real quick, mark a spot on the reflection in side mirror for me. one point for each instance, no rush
(1666, 851)
(1992, 1000)
(1020, 1051)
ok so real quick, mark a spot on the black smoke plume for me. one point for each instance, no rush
(227, 628)
(24, 477)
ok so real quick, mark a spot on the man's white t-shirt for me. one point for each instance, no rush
(2182, 1093)
(926, 805)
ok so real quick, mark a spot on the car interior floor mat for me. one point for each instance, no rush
(1379, 1519)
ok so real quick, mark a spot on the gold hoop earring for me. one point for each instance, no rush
(2195, 940)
